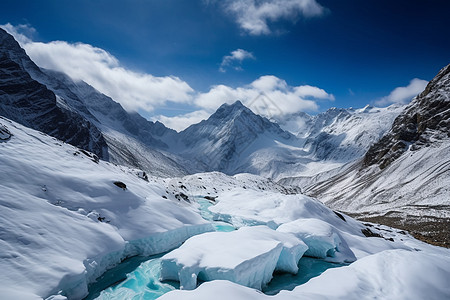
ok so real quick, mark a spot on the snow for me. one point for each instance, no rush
(244, 206)
(416, 179)
(323, 240)
(381, 265)
(64, 222)
(393, 274)
(247, 256)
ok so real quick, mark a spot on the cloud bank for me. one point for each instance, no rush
(97, 67)
(255, 16)
(268, 95)
(182, 122)
(235, 59)
(404, 94)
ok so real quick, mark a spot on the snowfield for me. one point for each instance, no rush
(64, 221)
(68, 217)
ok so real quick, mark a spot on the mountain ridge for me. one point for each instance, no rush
(403, 180)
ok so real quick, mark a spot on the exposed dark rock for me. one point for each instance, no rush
(369, 233)
(92, 156)
(142, 175)
(340, 216)
(5, 134)
(25, 100)
(182, 196)
(426, 118)
(210, 198)
(120, 184)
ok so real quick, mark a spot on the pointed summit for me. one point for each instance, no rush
(218, 141)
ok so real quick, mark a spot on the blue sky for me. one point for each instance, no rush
(182, 59)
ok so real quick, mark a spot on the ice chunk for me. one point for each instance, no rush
(391, 274)
(323, 240)
(247, 256)
(247, 208)
(220, 290)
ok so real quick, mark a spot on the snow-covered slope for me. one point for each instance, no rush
(235, 140)
(404, 179)
(131, 139)
(339, 136)
(389, 263)
(66, 217)
(222, 141)
(75, 112)
(29, 102)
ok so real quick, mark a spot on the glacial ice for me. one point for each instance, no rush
(247, 256)
(244, 207)
(323, 240)
(392, 274)
(64, 222)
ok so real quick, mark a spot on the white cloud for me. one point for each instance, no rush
(181, 122)
(404, 94)
(312, 91)
(268, 95)
(20, 32)
(235, 59)
(97, 67)
(254, 16)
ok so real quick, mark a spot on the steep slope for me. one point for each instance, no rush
(404, 179)
(131, 139)
(337, 137)
(80, 115)
(29, 102)
(235, 140)
(224, 140)
(425, 120)
(345, 134)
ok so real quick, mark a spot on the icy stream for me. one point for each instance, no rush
(138, 277)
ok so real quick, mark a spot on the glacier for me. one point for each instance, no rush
(64, 222)
(396, 274)
(247, 256)
(323, 240)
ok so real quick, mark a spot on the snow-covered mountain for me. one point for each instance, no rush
(78, 114)
(404, 178)
(31, 103)
(338, 137)
(131, 140)
(233, 140)
(67, 218)
(227, 139)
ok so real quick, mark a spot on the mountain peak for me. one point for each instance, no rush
(424, 121)
(236, 104)
(228, 108)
